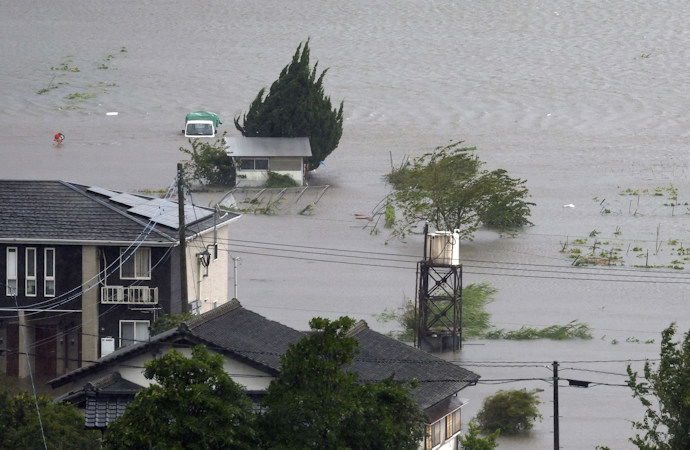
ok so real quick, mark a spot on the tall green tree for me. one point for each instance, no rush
(63, 425)
(194, 404)
(473, 439)
(664, 391)
(296, 106)
(450, 188)
(315, 403)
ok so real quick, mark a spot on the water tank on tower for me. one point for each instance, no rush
(443, 248)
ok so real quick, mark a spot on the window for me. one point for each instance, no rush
(195, 307)
(254, 164)
(136, 266)
(11, 279)
(49, 272)
(133, 331)
(453, 423)
(436, 434)
(30, 279)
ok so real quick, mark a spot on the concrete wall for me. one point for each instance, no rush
(209, 284)
(89, 304)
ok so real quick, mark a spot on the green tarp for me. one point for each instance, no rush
(204, 115)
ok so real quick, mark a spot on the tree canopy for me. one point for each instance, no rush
(664, 391)
(62, 424)
(194, 405)
(296, 106)
(510, 412)
(209, 163)
(315, 403)
(450, 189)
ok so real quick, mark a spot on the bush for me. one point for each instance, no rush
(276, 180)
(210, 164)
(511, 412)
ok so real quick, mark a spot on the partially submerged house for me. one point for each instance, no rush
(85, 270)
(251, 346)
(254, 157)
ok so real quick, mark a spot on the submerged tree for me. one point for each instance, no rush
(296, 106)
(194, 404)
(315, 403)
(209, 163)
(509, 411)
(449, 188)
(664, 391)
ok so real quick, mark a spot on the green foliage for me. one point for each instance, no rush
(511, 412)
(62, 423)
(277, 180)
(210, 164)
(449, 188)
(315, 403)
(194, 404)
(296, 106)
(473, 440)
(475, 318)
(389, 214)
(168, 321)
(571, 330)
(664, 391)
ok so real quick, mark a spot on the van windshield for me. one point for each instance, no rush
(199, 129)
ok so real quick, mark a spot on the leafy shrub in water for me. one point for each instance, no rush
(572, 330)
(277, 180)
(511, 412)
(209, 164)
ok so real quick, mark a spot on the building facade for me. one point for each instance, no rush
(85, 271)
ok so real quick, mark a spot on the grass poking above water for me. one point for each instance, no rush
(571, 330)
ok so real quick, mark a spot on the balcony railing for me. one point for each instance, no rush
(129, 295)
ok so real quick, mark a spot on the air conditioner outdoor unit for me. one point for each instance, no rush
(107, 346)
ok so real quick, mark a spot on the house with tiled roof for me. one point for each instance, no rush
(85, 270)
(252, 346)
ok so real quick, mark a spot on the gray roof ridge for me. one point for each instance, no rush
(112, 208)
(357, 328)
(212, 314)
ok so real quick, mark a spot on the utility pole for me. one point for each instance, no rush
(235, 259)
(555, 406)
(183, 239)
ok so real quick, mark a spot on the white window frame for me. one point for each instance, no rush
(133, 259)
(48, 277)
(8, 279)
(28, 276)
(137, 339)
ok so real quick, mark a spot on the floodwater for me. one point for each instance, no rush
(583, 99)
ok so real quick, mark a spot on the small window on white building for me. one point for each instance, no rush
(30, 279)
(195, 307)
(49, 272)
(11, 278)
(133, 331)
(135, 266)
(254, 164)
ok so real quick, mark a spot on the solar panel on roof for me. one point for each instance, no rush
(165, 212)
(128, 199)
(102, 191)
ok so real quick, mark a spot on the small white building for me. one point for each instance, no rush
(254, 157)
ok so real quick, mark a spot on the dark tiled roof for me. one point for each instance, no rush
(103, 409)
(61, 211)
(380, 357)
(245, 333)
(234, 330)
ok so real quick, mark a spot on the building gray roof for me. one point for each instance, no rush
(58, 211)
(260, 342)
(268, 146)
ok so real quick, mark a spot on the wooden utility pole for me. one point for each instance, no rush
(555, 406)
(183, 239)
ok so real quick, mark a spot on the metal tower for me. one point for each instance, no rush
(439, 294)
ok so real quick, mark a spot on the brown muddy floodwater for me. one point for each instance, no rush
(583, 99)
